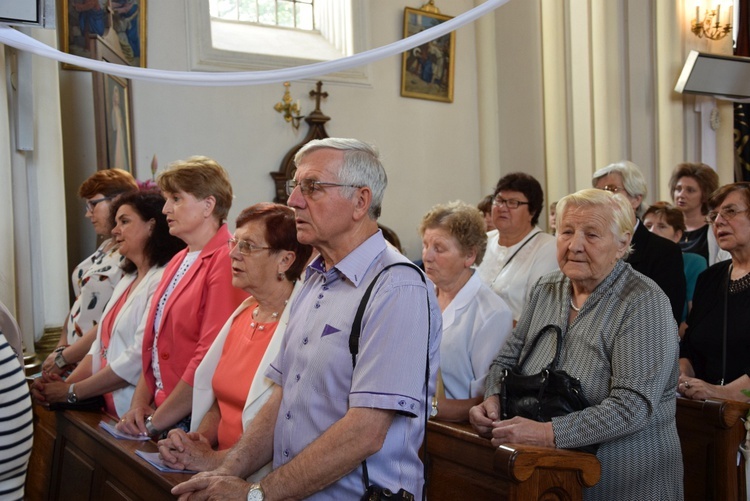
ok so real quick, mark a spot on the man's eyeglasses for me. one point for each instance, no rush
(246, 248)
(310, 186)
(613, 189)
(90, 204)
(726, 213)
(499, 201)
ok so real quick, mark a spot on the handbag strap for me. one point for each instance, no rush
(354, 350)
(544, 329)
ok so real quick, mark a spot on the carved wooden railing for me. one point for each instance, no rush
(462, 465)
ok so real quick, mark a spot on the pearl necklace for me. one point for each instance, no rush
(274, 317)
(574, 306)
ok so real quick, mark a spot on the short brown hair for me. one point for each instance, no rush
(281, 233)
(672, 215)
(108, 182)
(464, 223)
(526, 184)
(202, 177)
(485, 204)
(705, 176)
(718, 196)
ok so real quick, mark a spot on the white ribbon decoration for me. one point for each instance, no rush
(15, 38)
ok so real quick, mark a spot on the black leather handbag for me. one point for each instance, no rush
(542, 396)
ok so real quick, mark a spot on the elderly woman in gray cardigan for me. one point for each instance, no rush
(619, 338)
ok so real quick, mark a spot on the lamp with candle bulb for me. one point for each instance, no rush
(713, 25)
(289, 108)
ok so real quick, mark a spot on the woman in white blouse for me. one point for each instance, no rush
(113, 365)
(518, 251)
(475, 320)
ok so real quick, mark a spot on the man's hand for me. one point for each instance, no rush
(212, 485)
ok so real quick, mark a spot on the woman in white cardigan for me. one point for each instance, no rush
(113, 364)
(229, 384)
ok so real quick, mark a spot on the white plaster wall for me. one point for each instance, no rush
(429, 149)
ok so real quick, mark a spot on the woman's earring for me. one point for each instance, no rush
(280, 276)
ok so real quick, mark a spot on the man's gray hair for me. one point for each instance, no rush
(632, 180)
(361, 167)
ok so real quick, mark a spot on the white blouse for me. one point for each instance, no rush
(512, 271)
(475, 326)
(93, 279)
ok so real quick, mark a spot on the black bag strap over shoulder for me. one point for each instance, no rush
(357, 324)
(542, 331)
(354, 349)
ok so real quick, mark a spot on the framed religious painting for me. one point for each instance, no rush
(113, 114)
(427, 71)
(122, 23)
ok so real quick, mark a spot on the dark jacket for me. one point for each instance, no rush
(661, 261)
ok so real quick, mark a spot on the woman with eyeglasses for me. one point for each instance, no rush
(715, 351)
(113, 365)
(691, 185)
(95, 277)
(230, 386)
(193, 300)
(518, 251)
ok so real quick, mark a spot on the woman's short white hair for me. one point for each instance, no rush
(616, 207)
(632, 180)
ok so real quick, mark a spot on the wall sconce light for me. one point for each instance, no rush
(713, 25)
(289, 108)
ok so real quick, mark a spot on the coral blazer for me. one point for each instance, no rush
(194, 314)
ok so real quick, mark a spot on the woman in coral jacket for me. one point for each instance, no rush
(193, 300)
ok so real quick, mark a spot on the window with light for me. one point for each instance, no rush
(299, 14)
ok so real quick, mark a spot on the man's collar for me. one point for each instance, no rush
(356, 263)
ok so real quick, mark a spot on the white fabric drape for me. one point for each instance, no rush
(13, 38)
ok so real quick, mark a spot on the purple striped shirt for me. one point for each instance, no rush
(314, 366)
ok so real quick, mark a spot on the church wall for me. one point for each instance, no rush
(429, 149)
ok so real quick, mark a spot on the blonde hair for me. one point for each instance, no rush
(617, 208)
(202, 177)
(463, 222)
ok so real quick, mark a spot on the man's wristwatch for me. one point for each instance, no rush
(256, 493)
(150, 428)
(72, 397)
(434, 410)
(60, 361)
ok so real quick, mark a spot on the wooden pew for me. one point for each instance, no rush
(462, 465)
(89, 464)
(40, 464)
(710, 434)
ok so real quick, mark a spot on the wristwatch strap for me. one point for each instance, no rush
(60, 361)
(72, 397)
(150, 428)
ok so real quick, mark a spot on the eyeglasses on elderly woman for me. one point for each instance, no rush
(726, 213)
(90, 204)
(246, 248)
(499, 201)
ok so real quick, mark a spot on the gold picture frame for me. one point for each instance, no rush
(121, 23)
(427, 71)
